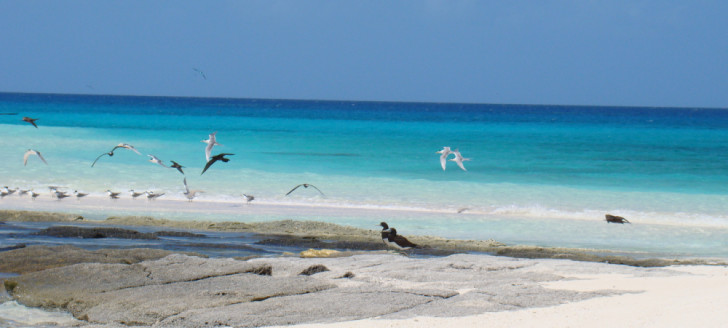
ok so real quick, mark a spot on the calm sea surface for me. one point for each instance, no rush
(541, 175)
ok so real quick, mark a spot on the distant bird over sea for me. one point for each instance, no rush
(177, 166)
(305, 185)
(32, 152)
(218, 157)
(154, 159)
(445, 152)
(201, 73)
(211, 141)
(31, 121)
(459, 159)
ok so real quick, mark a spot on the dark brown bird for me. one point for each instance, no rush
(177, 166)
(616, 219)
(30, 120)
(385, 232)
(213, 159)
(398, 241)
(305, 185)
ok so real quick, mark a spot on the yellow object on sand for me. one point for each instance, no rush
(319, 253)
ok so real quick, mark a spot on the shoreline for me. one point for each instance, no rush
(303, 232)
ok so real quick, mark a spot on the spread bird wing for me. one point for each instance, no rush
(187, 190)
(207, 166)
(25, 157)
(41, 157)
(460, 164)
(314, 187)
(443, 161)
(294, 188)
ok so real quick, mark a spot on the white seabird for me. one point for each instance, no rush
(459, 159)
(190, 194)
(32, 152)
(135, 194)
(443, 158)
(154, 159)
(210, 142)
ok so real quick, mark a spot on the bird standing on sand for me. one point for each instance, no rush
(152, 195)
(190, 194)
(385, 232)
(459, 159)
(9, 191)
(61, 195)
(399, 242)
(32, 152)
(176, 165)
(616, 219)
(154, 159)
(248, 198)
(33, 195)
(31, 121)
(218, 157)
(79, 195)
(443, 158)
(305, 185)
(112, 194)
(135, 194)
(211, 141)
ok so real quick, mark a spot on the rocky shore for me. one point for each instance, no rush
(346, 276)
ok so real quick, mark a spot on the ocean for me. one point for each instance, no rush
(538, 175)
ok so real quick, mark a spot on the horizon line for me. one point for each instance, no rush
(354, 101)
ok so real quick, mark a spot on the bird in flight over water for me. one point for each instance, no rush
(30, 120)
(211, 141)
(32, 152)
(459, 159)
(218, 157)
(305, 185)
(201, 73)
(443, 158)
(177, 166)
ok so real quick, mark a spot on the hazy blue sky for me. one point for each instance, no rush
(646, 53)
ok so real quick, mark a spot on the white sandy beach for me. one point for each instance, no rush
(694, 298)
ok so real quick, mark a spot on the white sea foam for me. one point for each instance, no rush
(17, 315)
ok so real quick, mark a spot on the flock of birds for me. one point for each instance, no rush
(189, 194)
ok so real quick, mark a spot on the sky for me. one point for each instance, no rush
(580, 52)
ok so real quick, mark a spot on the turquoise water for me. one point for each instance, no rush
(539, 174)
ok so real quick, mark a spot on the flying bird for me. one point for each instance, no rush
(127, 146)
(30, 120)
(111, 153)
(443, 158)
(459, 159)
(154, 159)
(32, 152)
(218, 157)
(190, 194)
(201, 73)
(305, 185)
(177, 166)
(211, 141)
